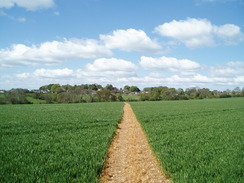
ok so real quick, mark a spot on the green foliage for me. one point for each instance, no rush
(56, 143)
(14, 98)
(66, 97)
(131, 88)
(196, 140)
(56, 88)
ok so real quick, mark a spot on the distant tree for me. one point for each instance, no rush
(66, 97)
(49, 97)
(170, 94)
(155, 94)
(109, 87)
(84, 86)
(56, 88)
(99, 87)
(163, 89)
(134, 89)
(93, 87)
(16, 98)
(113, 98)
(144, 96)
(67, 87)
(120, 98)
(89, 98)
(104, 95)
(215, 93)
(192, 93)
(204, 93)
(237, 90)
(127, 88)
(147, 89)
(180, 91)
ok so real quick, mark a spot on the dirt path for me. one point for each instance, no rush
(130, 159)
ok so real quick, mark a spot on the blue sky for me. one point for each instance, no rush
(177, 43)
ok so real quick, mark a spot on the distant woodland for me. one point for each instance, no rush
(56, 93)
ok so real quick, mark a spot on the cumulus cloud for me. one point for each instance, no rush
(49, 53)
(169, 64)
(31, 5)
(111, 64)
(109, 67)
(131, 40)
(200, 32)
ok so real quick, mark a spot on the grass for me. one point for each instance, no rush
(55, 143)
(131, 97)
(196, 141)
(36, 101)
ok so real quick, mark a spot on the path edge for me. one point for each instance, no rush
(102, 172)
(165, 173)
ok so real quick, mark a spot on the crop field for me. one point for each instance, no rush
(56, 143)
(196, 140)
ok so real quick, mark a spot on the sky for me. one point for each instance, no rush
(147, 43)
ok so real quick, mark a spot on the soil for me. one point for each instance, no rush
(130, 158)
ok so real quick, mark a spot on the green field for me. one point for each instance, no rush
(198, 140)
(36, 101)
(194, 140)
(130, 97)
(55, 143)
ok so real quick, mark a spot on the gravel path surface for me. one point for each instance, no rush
(130, 158)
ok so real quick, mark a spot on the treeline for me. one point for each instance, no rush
(165, 93)
(55, 93)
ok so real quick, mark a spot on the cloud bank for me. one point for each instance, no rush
(49, 53)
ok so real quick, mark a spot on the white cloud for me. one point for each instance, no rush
(109, 68)
(131, 40)
(51, 52)
(102, 71)
(121, 72)
(228, 70)
(168, 64)
(237, 64)
(111, 64)
(47, 73)
(31, 5)
(54, 73)
(229, 33)
(200, 32)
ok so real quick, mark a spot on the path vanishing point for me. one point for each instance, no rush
(130, 158)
